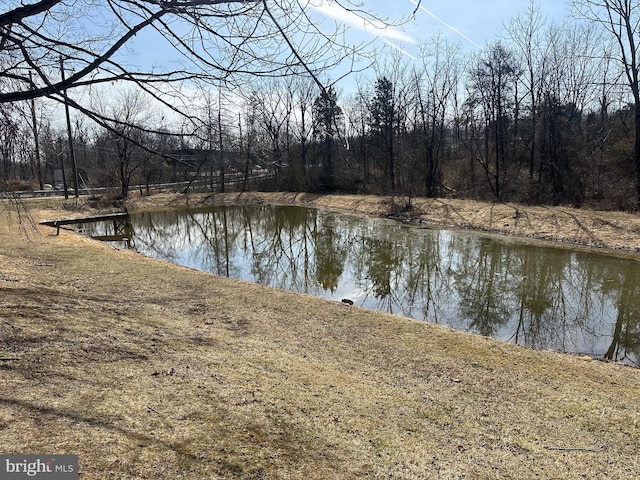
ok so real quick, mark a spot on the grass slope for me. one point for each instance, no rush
(149, 370)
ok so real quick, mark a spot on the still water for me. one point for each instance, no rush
(556, 298)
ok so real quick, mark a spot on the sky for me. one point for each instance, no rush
(474, 23)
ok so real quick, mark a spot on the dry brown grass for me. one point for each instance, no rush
(149, 370)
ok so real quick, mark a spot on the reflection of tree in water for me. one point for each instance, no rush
(422, 284)
(553, 298)
(380, 264)
(331, 249)
(281, 246)
(540, 296)
(625, 341)
(371, 254)
(483, 286)
(202, 238)
(161, 234)
(214, 239)
(399, 267)
(396, 268)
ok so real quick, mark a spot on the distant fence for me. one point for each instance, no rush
(200, 184)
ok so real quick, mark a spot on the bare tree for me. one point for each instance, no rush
(131, 113)
(621, 20)
(248, 139)
(571, 86)
(526, 33)
(303, 91)
(270, 101)
(436, 89)
(357, 121)
(211, 43)
(212, 137)
(492, 81)
(226, 39)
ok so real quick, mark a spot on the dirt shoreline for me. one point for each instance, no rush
(150, 370)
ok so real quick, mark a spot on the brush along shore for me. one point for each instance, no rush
(150, 370)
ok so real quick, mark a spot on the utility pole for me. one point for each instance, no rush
(64, 174)
(246, 164)
(69, 138)
(220, 146)
(35, 138)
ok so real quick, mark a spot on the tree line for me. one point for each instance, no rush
(547, 113)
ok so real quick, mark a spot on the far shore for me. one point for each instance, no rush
(605, 230)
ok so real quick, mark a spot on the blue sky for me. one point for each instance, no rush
(473, 23)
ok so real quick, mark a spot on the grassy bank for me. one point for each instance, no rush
(149, 370)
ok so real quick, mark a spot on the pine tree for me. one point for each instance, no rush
(383, 123)
(327, 117)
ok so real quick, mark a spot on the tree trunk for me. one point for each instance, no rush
(636, 150)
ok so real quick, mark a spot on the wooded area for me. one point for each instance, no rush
(545, 114)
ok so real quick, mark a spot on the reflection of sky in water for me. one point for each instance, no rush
(544, 297)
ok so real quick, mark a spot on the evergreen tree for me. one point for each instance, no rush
(383, 123)
(327, 117)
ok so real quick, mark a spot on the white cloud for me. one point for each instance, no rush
(401, 50)
(450, 27)
(332, 9)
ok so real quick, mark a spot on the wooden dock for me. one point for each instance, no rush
(121, 224)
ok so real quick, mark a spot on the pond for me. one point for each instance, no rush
(557, 298)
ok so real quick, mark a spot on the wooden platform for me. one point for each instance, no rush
(120, 222)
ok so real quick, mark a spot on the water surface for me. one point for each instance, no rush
(557, 298)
